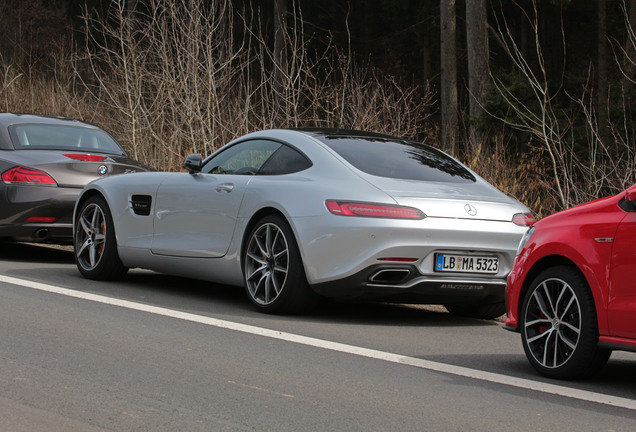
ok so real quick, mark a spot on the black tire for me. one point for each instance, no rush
(94, 243)
(273, 272)
(559, 328)
(480, 311)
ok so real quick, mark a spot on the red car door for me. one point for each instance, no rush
(622, 296)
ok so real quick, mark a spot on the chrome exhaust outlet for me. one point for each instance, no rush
(390, 276)
(41, 234)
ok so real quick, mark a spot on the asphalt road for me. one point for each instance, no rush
(157, 353)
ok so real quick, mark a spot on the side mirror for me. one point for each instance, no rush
(630, 195)
(193, 163)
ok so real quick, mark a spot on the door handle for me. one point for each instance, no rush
(225, 187)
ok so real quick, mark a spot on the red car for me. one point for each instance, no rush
(572, 291)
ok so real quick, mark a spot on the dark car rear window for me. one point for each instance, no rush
(398, 159)
(62, 137)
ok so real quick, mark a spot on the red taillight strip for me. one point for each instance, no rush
(41, 219)
(344, 208)
(86, 157)
(26, 175)
(523, 219)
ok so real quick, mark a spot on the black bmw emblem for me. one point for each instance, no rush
(102, 170)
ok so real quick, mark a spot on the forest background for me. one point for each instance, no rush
(537, 96)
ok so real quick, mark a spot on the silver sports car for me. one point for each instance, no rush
(44, 164)
(293, 215)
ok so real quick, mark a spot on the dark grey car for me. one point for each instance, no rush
(44, 164)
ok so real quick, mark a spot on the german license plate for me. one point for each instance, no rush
(466, 263)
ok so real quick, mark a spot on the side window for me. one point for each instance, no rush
(285, 160)
(245, 158)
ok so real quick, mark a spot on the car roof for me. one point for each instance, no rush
(351, 133)
(7, 119)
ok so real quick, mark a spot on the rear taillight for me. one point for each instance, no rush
(86, 157)
(344, 208)
(523, 219)
(26, 175)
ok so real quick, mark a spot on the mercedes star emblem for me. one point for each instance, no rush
(470, 209)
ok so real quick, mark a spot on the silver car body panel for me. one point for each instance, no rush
(197, 223)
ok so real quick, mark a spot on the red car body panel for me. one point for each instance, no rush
(599, 238)
(621, 309)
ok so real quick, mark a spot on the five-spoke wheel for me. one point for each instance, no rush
(94, 241)
(559, 326)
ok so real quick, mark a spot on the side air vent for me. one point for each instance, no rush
(141, 204)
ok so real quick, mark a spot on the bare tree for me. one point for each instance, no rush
(577, 173)
(280, 42)
(541, 122)
(628, 61)
(198, 74)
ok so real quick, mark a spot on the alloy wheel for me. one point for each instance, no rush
(266, 264)
(552, 323)
(90, 236)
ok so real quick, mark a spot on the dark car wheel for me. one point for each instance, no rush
(481, 311)
(559, 329)
(94, 242)
(275, 279)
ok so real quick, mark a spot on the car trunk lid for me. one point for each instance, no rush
(76, 169)
(471, 200)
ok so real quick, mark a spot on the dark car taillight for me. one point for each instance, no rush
(26, 175)
(523, 219)
(343, 208)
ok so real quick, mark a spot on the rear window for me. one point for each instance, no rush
(398, 159)
(62, 137)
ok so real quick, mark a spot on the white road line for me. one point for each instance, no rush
(552, 389)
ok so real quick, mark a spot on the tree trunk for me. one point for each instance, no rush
(601, 74)
(450, 124)
(478, 72)
(280, 51)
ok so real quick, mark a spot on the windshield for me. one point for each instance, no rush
(394, 158)
(62, 137)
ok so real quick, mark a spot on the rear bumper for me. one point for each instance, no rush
(41, 232)
(405, 284)
(19, 205)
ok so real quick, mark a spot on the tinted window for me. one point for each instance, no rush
(246, 157)
(398, 159)
(62, 137)
(627, 206)
(285, 160)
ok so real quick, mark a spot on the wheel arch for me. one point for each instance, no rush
(560, 260)
(260, 214)
(85, 196)
(108, 265)
(297, 296)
